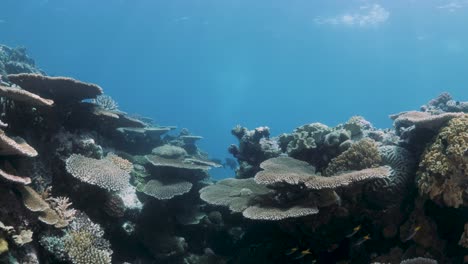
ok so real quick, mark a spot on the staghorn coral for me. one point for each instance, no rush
(163, 191)
(361, 155)
(106, 102)
(52, 211)
(102, 173)
(61, 205)
(443, 167)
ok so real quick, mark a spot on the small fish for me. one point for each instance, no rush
(355, 230)
(415, 230)
(303, 254)
(362, 240)
(291, 251)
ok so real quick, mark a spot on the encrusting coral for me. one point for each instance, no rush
(442, 174)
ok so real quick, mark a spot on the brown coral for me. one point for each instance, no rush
(59, 89)
(292, 171)
(15, 146)
(422, 119)
(442, 171)
(21, 95)
(361, 155)
(122, 163)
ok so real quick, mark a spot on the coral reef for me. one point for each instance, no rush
(84, 182)
(442, 174)
(15, 60)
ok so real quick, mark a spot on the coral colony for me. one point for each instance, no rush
(83, 182)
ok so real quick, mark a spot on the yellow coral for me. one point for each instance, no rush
(442, 171)
(3, 245)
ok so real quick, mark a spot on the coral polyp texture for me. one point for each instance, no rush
(103, 173)
(275, 214)
(83, 182)
(442, 174)
(163, 191)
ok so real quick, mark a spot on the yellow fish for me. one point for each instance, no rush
(415, 230)
(355, 230)
(303, 254)
(362, 240)
(291, 251)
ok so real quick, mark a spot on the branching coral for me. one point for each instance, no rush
(52, 211)
(61, 205)
(84, 242)
(442, 171)
(106, 102)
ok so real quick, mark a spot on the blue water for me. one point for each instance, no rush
(208, 65)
